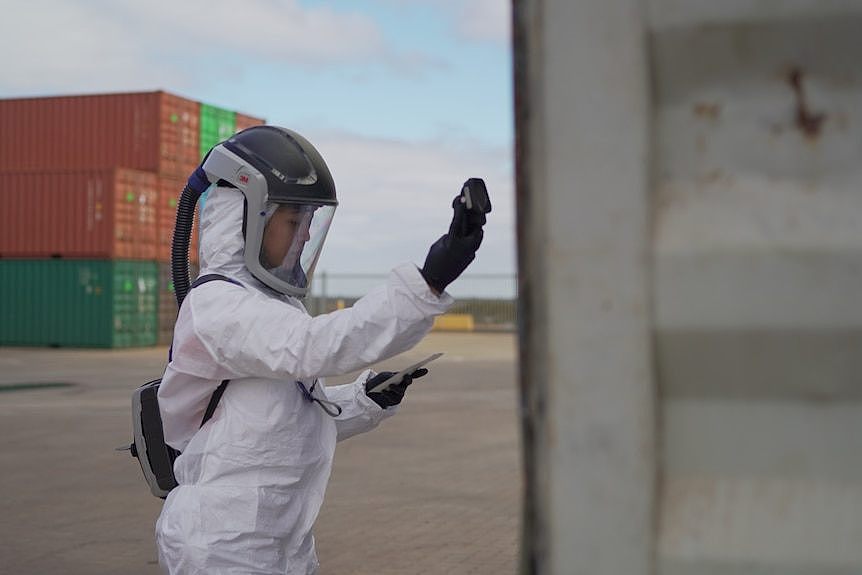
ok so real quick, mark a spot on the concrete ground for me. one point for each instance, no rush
(435, 489)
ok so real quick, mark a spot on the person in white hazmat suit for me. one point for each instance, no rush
(252, 479)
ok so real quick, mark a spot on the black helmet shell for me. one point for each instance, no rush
(294, 170)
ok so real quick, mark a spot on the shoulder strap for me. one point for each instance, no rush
(216, 396)
(212, 277)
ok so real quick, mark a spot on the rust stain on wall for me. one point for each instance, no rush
(707, 111)
(809, 123)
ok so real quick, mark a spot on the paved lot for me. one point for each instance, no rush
(434, 490)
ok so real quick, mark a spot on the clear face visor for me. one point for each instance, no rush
(293, 239)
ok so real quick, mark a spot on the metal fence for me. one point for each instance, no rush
(490, 298)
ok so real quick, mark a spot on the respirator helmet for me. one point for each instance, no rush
(289, 202)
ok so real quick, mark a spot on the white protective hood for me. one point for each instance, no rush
(222, 246)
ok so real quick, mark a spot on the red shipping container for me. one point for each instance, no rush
(179, 135)
(170, 190)
(152, 131)
(243, 121)
(108, 213)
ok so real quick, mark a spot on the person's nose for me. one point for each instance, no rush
(305, 233)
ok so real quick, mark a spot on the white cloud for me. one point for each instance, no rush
(55, 45)
(101, 45)
(484, 19)
(264, 28)
(478, 20)
(395, 200)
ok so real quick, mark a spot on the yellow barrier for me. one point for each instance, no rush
(454, 322)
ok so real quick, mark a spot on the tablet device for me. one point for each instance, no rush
(400, 375)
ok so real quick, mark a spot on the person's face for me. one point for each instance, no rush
(286, 232)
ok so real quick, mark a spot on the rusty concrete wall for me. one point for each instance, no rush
(757, 209)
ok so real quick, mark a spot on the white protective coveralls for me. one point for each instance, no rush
(252, 480)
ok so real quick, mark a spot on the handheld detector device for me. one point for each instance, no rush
(400, 375)
(474, 194)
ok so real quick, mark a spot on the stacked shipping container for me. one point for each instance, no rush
(106, 213)
(86, 178)
(217, 125)
(80, 303)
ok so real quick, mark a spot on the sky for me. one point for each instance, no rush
(405, 99)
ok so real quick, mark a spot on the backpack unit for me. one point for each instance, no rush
(148, 445)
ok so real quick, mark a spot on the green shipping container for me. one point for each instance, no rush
(78, 303)
(217, 125)
(168, 301)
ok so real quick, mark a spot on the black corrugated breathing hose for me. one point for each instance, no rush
(181, 240)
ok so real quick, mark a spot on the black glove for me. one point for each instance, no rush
(393, 394)
(452, 253)
(464, 221)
